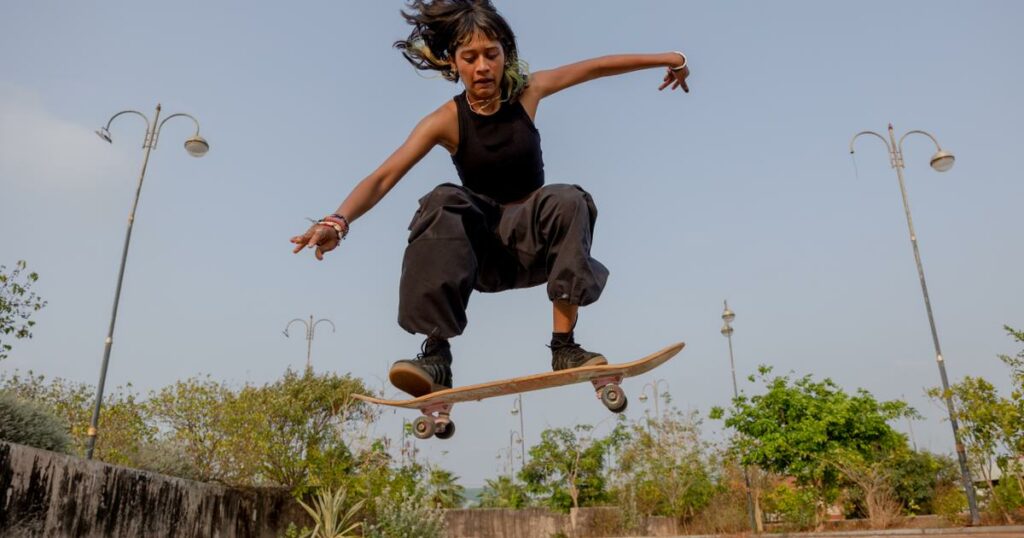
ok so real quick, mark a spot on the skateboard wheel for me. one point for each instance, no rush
(614, 398)
(446, 431)
(423, 427)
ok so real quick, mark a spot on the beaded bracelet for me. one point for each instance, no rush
(335, 218)
(335, 226)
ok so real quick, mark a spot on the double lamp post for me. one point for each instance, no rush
(941, 161)
(196, 146)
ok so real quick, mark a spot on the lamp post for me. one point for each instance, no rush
(517, 409)
(728, 316)
(310, 334)
(941, 161)
(196, 146)
(509, 453)
(513, 437)
(653, 385)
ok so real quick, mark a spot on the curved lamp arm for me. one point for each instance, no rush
(196, 145)
(104, 132)
(189, 116)
(936, 142)
(654, 389)
(293, 321)
(333, 329)
(892, 155)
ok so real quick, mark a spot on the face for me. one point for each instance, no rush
(481, 64)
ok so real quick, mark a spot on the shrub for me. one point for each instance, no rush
(796, 507)
(1009, 496)
(330, 519)
(28, 423)
(410, 516)
(950, 503)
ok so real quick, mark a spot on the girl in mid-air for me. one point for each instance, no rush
(502, 228)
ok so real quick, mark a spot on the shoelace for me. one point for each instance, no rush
(564, 345)
(426, 349)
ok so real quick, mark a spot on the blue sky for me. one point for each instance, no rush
(741, 190)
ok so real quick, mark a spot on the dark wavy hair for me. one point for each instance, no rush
(441, 26)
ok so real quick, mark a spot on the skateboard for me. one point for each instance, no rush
(437, 406)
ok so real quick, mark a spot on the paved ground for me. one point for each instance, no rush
(977, 532)
(955, 535)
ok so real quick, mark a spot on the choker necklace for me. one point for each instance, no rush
(484, 103)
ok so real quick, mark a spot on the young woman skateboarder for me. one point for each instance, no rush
(502, 228)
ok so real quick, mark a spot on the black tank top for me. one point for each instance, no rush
(499, 155)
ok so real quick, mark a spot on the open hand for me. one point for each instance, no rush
(323, 238)
(676, 79)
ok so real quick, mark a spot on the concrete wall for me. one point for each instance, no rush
(540, 523)
(45, 494)
(49, 494)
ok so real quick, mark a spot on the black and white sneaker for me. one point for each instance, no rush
(430, 371)
(565, 355)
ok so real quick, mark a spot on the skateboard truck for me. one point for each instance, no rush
(610, 393)
(434, 422)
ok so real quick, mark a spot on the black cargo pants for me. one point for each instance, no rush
(460, 241)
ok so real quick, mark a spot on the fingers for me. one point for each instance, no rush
(320, 235)
(675, 79)
(322, 238)
(666, 81)
(300, 242)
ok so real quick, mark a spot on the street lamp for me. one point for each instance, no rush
(941, 161)
(310, 334)
(513, 437)
(728, 316)
(196, 146)
(509, 453)
(517, 409)
(654, 389)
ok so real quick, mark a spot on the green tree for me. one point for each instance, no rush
(980, 412)
(503, 492)
(799, 428)
(443, 490)
(871, 473)
(1013, 424)
(291, 432)
(992, 428)
(919, 476)
(665, 467)
(17, 304)
(192, 414)
(567, 469)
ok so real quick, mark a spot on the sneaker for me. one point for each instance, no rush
(565, 355)
(430, 371)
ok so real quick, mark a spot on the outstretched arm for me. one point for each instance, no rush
(547, 82)
(373, 187)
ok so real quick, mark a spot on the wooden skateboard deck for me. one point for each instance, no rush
(436, 406)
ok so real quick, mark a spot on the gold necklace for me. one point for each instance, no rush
(486, 103)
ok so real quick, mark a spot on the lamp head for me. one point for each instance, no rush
(104, 134)
(643, 397)
(942, 161)
(197, 146)
(727, 315)
(726, 330)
